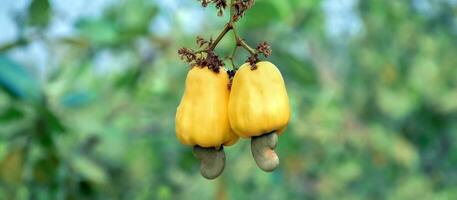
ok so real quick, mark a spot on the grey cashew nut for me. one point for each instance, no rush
(212, 161)
(262, 148)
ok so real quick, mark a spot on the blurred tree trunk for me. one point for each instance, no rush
(221, 192)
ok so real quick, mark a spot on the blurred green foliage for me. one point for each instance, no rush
(374, 112)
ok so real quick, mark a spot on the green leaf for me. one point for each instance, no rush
(298, 4)
(53, 121)
(11, 167)
(17, 82)
(299, 70)
(11, 114)
(44, 169)
(77, 98)
(135, 17)
(262, 14)
(90, 169)
(39, 12)
(99, 32)
(396, 103)
(129, 79)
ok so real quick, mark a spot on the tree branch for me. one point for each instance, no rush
(227, 28)
(240, 42)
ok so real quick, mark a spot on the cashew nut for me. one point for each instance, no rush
(212, 161)
(262, 148)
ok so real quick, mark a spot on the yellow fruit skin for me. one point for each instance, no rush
(201, 117)
(258, 101)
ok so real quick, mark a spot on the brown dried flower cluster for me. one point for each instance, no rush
(263, 48)
(252, 60)
(220, 5)
(206, 58)
(187, 54)
(201, 41)
(231, 74)
(240, 7)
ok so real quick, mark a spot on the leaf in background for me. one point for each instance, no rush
(298, 4)
(39, 12)
(79, 98)
(47, 123)
(45, 169)
(300, 70)
(135, 16)
(403, 152)
(396, 103)
(164, 192)
(17, 82)
(262, 14)
(99, 32)
(187, 160)
(53, 122)
(11, 167)
(90, 170)
(129, 79)
(11, 114)
(414, 187)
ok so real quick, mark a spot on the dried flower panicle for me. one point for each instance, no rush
(252, 60)
(187, 54)
(201, 41)
(240, 7)
(211, 60)
(205, 58)
(231, 74)
(220, 5)
(265, 49)
(204, 2)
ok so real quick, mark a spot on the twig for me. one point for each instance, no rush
(227, 28)
(240, 42)
(207, 55)
(230, 26)
(232, 57)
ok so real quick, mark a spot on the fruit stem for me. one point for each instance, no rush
(227, 28)
(230, 26)
(240, 42)
(233, 56)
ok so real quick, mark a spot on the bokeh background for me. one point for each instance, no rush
(89, 90)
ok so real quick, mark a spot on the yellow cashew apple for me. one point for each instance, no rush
(258, 101)
(201, 117)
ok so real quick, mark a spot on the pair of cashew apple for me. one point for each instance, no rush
(211, 115)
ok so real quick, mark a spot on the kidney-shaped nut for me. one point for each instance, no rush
(262, 148)
(212, 161)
